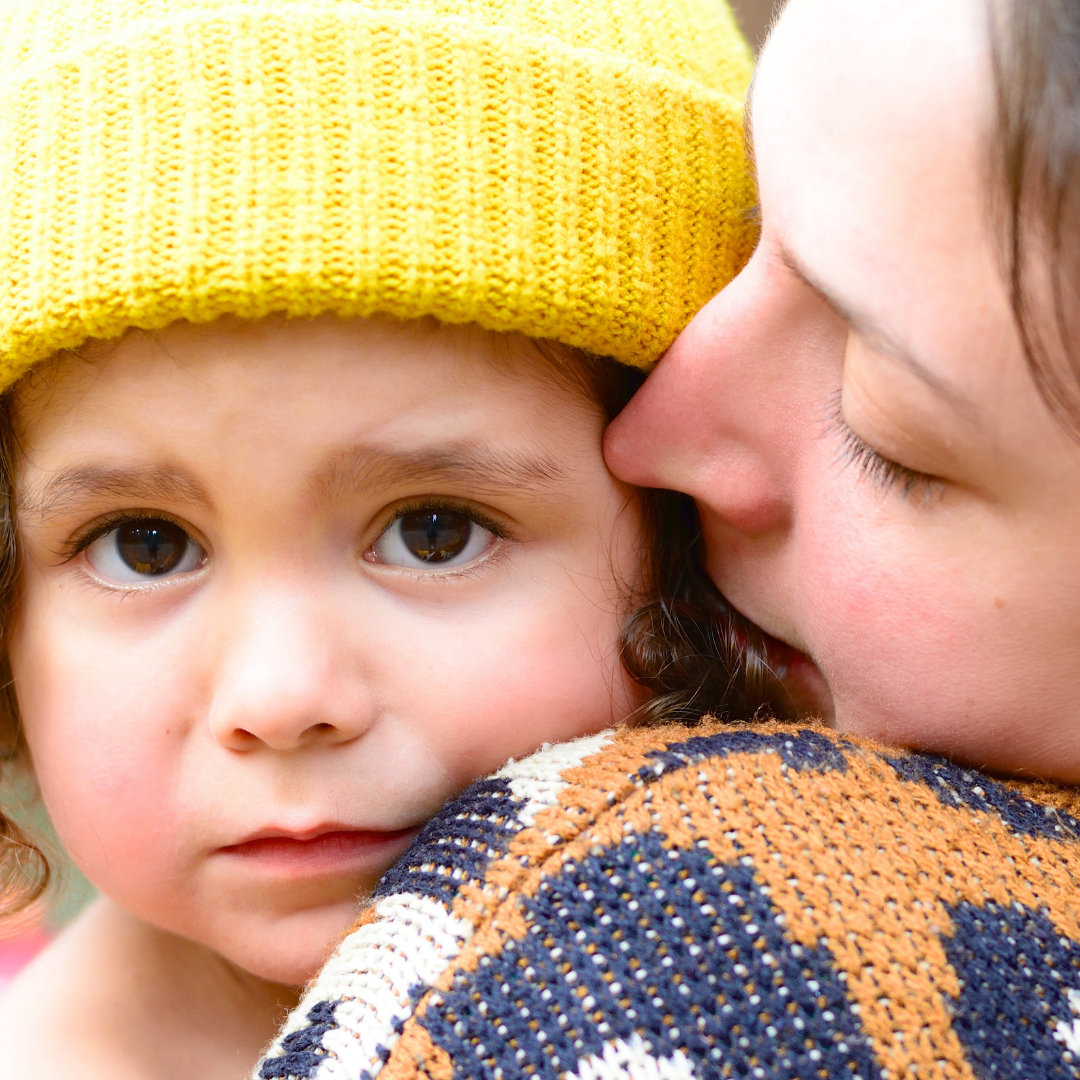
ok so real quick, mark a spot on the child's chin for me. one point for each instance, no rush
(289, 950)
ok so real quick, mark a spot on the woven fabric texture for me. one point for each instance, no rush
(763, 902)
(569, 169)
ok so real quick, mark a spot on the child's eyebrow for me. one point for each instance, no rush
(73, 488)
(375, 469)
(357, 468)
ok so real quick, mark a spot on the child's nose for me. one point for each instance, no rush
(285, 680)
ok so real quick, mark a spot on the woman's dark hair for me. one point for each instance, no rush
(1036, 183)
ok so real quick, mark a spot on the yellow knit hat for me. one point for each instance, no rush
(572, 169)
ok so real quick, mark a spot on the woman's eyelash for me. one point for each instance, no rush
(884, 473)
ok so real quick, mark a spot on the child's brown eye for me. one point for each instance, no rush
(432, 538)
(435, 536)
(142, 549)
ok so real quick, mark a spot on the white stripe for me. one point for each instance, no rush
(538, 780)
(1067, 1032)
(413, 940)
(627, 1059)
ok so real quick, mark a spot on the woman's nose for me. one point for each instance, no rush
(287, 678)
(699, 424)
(724, 415)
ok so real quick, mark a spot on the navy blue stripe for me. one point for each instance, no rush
(457, 843)
(674, 946)
(806, 751)
(955, 786)
(1015, 971)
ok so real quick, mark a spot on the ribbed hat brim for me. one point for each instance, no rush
(312, 160)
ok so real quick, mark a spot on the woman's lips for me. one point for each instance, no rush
(801, 678)
(329, 851)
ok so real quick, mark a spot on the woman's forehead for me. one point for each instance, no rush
(875, 187)
(872, 82)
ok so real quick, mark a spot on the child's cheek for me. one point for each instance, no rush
(105, 730)
(550, 673)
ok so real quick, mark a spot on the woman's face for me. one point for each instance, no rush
(287, 587)
(881, 485)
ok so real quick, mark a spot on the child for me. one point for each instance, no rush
(307, 520)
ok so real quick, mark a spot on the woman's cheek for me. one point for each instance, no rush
(887, 616)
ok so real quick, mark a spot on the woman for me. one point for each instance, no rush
(878, 419)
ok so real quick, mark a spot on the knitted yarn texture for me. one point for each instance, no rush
(570, 169)
(759, 902)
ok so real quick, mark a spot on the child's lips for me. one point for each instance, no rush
(323, 851)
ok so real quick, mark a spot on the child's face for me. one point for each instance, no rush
(881, 484)
(288, 586)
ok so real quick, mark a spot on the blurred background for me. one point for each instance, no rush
(755, 17)
(24, 935)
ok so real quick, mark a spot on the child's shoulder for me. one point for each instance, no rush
(55, 1017)
(683, 895)
(115, 999)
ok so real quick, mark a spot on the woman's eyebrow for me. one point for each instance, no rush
(882, 340)
(377, 469)
(71, 489)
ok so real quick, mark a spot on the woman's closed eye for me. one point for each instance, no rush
(142, 550)
(432, 538)
(882, 472)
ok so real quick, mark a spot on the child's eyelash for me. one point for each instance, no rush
(881, 471)
(77, 544)
(451, 506)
